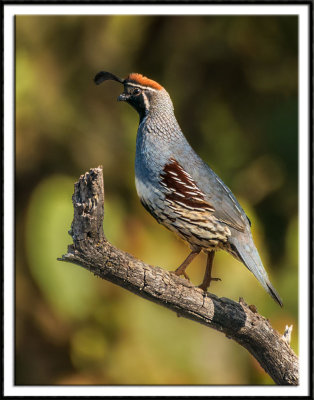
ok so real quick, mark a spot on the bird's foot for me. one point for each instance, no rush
(205, 285)
(215, 279)
(179, 273)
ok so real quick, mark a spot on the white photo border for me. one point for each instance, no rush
(303, 11)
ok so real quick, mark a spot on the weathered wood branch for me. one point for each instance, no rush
(237, 321)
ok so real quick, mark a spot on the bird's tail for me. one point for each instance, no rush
(248, 254)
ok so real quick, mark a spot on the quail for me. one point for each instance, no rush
(179, 189)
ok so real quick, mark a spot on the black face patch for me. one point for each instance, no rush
(137, 98)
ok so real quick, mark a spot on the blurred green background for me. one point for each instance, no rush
(233, 81)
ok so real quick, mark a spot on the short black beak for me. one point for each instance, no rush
(123, 97)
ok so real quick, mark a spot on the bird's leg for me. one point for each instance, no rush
(181, 269)
(208, 273)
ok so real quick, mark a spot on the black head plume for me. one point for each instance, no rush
(105, 76)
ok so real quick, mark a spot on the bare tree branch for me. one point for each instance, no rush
(237, 321)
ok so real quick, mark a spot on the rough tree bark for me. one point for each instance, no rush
(237, 321)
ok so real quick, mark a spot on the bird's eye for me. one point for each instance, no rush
(136, 91)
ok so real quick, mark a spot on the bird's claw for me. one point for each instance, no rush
(186, 276)
(205, 285)
(182, 273)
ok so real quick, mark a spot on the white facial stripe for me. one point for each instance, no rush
(142, 87)
(146, 102)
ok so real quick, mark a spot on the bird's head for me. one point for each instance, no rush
(140, 92)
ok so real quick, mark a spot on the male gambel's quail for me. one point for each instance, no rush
(179, 189)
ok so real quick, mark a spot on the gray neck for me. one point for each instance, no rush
(159, 138)
(160, 122)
